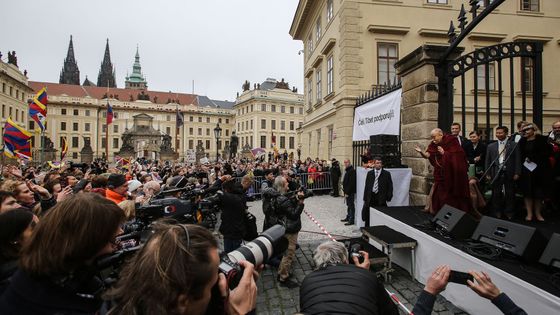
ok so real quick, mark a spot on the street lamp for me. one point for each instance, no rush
(217, 134)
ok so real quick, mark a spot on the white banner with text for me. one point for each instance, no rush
(381, 116)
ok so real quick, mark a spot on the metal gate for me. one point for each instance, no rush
(503, 77)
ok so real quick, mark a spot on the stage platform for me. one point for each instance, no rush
(528, 285)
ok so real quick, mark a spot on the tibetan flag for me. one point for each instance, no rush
(179, 119)
(109, 114)
(38, 108)
(64, 149)
(17, 141)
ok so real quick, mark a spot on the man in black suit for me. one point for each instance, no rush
(378, 190)
(456, 131)
(349, 188)
(504, 163)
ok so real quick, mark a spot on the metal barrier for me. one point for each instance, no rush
(317, 182)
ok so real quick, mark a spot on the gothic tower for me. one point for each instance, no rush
(106, 77)
(136, 80)
(70, 74)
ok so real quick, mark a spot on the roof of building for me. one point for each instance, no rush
(206, 101)
(124, 95)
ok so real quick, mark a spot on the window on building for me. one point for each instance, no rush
(227, 120)
(191, 144)
(168, 130)
(330, 135)
(387, 56)
(291, 125)
(283, 109)
(168, 117)
(115, 143)
(530, 5)
(76, 112)
(62, 125)
(87, 127)
(273, 124)
(199, 119)
(438, 1)
(227, 132)
(246, 125)
(4, 88)
(63, 111)
(191, 131)
(88, 112)
(263, 123)
(116, 128)
(31, 125)
(75, 142)
(283, 142)
(200, 131)
(309, 92)
(330, 10)
(103, 128)
(75, 127)
(219, 120)
(318, 75)
(481, 77)
(318, 29)
(263, 141)
(251, 107)
(251, 124)
(309, 45)
(291, 143)
(273, 108)
(74, 155)
(282, 125)
(238, 126)
(301, 110)
(10, 110)
(207, 131)
(11, 91)
(330, 74)
(527, 67)
(263, 107)
(207, 144)
(208, 119)
(191, 118)
(292, 110)
(3, 110)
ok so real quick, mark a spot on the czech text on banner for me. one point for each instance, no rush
(38, 108)
(381, 116)
(16, 141)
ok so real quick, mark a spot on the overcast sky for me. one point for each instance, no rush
(217, 43)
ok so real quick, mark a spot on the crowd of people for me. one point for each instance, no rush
(525, 163)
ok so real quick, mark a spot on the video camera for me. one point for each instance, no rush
(294, 194)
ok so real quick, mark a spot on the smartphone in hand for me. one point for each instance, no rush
(460, 277)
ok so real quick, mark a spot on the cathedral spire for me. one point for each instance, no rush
(136, 80)
(70, 74)
(106, 77)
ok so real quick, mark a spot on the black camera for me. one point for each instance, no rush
(257, 252)
(354, 249)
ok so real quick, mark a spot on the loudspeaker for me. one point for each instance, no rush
(457, 223)
(551, 254)
(521, 240)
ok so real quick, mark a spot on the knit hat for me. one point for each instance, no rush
(12, 225)
(116, 180)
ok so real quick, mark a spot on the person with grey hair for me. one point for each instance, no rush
(337, 287)
(288, 211)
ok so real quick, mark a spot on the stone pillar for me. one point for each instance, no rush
(419, 113)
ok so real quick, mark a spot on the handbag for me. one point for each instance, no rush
(250, 227)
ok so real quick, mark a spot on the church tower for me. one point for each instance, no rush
(136, 80)
(70, 74)
(106, 77)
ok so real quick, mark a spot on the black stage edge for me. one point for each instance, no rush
(533, 273)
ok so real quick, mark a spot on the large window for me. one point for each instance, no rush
(62, 125)
(387, 56)
(273, 108)
(263, 141)
(527, 74)
(263, 107)
(318, 75)
(330, 74)
(291, 143)
(263, 123)
(309, 92)
(75, 142)
(330, 10)
(530, 5)
(481, 77)
(318, 30)
(282, 125)
(309, 45)
(87, 127)
(273, 124)
(291, 125)
(282, 142)
(115, 143)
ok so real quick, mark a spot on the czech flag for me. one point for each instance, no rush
(109, 114)
(17, 141)
(64, 149)
(38, 108)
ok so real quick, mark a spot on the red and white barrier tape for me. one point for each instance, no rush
(396, 299)
(320, 226)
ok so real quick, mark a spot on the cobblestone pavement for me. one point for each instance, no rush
(274, 299)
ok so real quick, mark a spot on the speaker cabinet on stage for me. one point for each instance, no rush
(521, 240)
(457, 223)
(551, 254)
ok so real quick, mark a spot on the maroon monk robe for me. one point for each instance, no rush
(451, 183)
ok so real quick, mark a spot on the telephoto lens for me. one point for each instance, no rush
(257, 252)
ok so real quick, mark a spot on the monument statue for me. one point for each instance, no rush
(246, 86)
(233, 143)
(12, 58)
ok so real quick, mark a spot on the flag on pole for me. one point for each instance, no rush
(109, 114)
(179, 119)
(17, 143)
(64, 149)
(38, 108)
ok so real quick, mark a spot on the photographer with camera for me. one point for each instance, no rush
(365, 295)
(175, 272)
(57, 273)
(288, 211)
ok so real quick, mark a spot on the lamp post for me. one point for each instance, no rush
(217, 134)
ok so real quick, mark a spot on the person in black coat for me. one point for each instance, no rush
(335, 177)
(456, 131)
(378, 190)
(476, 152)
(233, 206)
(349, 188)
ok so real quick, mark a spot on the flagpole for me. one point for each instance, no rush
(107, 127)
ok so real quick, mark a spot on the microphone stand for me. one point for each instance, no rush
(502, 166)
